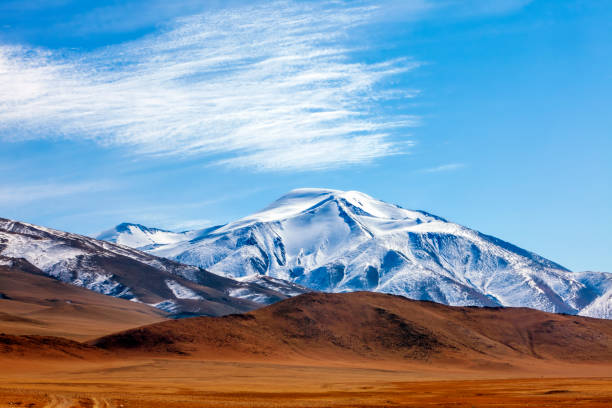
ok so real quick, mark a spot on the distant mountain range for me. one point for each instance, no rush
(130, 274)
(33, 303)
(337, 241)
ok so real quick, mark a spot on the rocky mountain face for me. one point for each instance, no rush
(127, 273)
(337, 241)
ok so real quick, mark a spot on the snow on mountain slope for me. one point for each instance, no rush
(124, 272)
(279, 285)
(600, 284)
(339, 241)
(140, 237)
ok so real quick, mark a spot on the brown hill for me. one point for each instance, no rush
(46, 347)
(372, 326)
(34, 304)
(323, 350)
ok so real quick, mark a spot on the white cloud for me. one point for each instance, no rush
(22, 194)
(443, 168)
(268, 87)
(174, 216)
(454, 9)
(185, 225)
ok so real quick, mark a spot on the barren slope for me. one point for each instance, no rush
(372, 326)
(32, 303)
(322, 350)
(126, 273)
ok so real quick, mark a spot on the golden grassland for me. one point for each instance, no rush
(316, 350)
(193, 383)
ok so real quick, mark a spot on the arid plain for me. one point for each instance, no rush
(316, 350)
(187, 383)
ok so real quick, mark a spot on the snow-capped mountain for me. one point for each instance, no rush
(339, 241)
(140, 237)
(124, 272)
(601, 284)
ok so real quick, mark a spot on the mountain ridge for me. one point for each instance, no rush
(123, 272)
(32, 303)
(338, 241)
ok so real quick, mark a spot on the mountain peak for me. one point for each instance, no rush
(313, 194)
(341, 241)
(138, 236)
(127, 226)
(355, 203)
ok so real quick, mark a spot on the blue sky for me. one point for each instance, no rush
(495, 115)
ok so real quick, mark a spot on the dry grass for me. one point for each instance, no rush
(355, 350)
(188, 383)
(39, 305)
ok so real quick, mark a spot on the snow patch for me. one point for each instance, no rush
(245, 293)
(181, 292)
(169, 306)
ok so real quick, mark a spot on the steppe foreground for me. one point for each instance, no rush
(320, 350)
(184, 383)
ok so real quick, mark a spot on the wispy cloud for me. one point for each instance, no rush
(409, 10)
(175, 216)
(22, 194)
(268, 87)
(443, 168)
